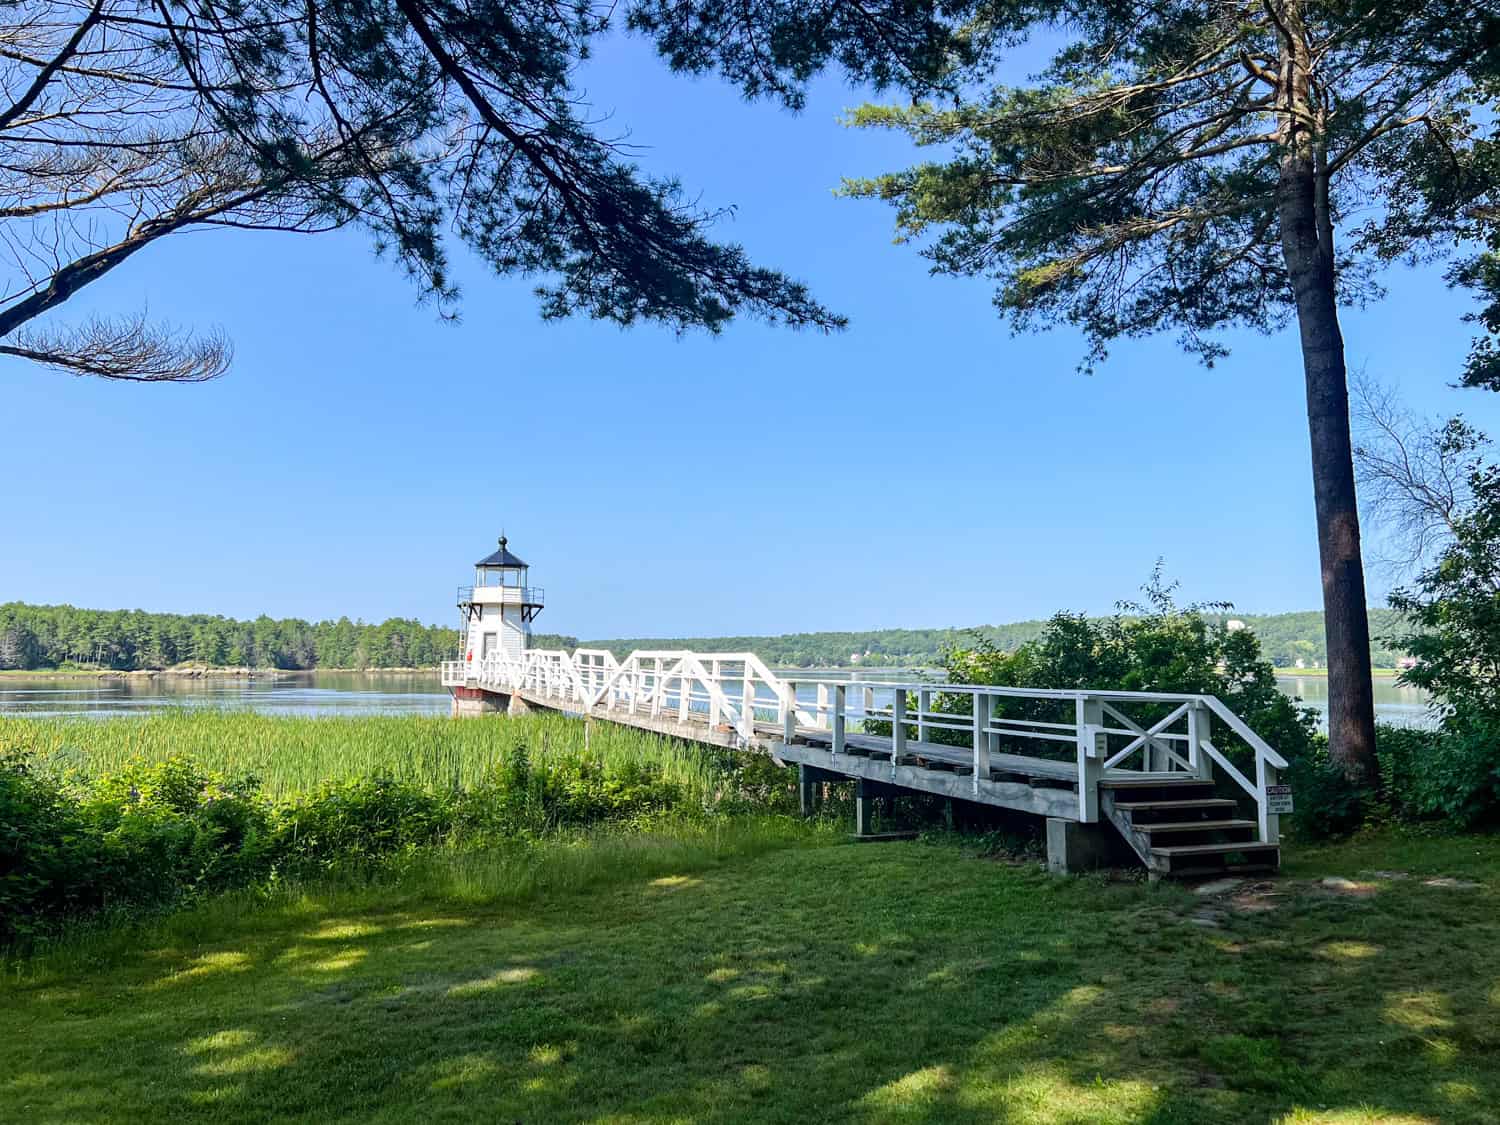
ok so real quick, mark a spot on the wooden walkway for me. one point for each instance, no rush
(1138, 768)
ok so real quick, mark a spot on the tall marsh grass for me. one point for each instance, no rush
(293, 755)
(140, 814)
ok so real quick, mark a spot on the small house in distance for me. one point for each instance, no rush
(497, 611)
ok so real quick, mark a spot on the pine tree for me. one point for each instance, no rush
(1194, 166)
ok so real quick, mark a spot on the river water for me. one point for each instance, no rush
(354, 693)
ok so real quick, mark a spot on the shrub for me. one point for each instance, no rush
(1448, 775)
(1457, 775)
(1327, 805)
(1158, 646)
(1454, 611)
(149, 835)
(1405, 756)
(350, 823)
(753, 782)
(48, 857)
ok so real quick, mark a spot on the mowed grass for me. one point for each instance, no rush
(295, 755)
(867, 983)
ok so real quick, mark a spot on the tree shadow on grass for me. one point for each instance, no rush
(904, 984)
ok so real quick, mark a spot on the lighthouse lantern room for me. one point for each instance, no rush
(498, 609)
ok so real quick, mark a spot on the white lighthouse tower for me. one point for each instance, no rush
(498, 609)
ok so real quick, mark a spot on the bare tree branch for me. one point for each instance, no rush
(128, 350)
(1413, 473)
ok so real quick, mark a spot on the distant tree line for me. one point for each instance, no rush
(53, 636)
(1285, 639)
(33, 636)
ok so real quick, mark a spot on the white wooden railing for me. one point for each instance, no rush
(1100, 733)
(733, 689)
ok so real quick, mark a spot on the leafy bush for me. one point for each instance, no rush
(146, 836)
(1455, 614)
(1327, 805)
(1449, 775)
(48, 857)
(1405, 756)
(1158, 646)
(1452, 773)
(349, 823)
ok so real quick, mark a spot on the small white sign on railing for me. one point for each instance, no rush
(1278, 799)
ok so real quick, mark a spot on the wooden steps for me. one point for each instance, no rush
(1215, 849)
(1215, 859)
(1176, 825)
(1203, 804)
(1198, 826)
(1180, 829)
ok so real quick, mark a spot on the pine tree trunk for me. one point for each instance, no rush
(1307, 248)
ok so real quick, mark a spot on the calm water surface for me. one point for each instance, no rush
(1398, 706)
(309, 693)
(353, 693)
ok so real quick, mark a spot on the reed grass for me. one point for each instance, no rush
(292, 755)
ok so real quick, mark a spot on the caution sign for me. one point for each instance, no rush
(1278, 799)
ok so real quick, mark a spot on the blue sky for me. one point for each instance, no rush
(922, 468)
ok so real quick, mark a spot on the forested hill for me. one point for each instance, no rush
(52, 636)
(1285, 637)
(41, 636)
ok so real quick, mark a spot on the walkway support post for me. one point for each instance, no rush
(864, 809)
(1200, 730)
(982, 705)
(1092, 750)
(840, 694)
(807, 791)
(898, 728)
(747, 705)
(714, 718)
(1270, 823)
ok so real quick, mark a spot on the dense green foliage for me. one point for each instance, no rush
(1138, 178)
(51, 636)
(1157, 646)
(1195, 168)
(110, 817)
(1454, 609)
(421, 122)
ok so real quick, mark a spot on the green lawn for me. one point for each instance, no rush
(871, 983)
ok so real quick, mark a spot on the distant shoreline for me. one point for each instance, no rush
(1376, 673)
(200, 673)
(432, 670)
